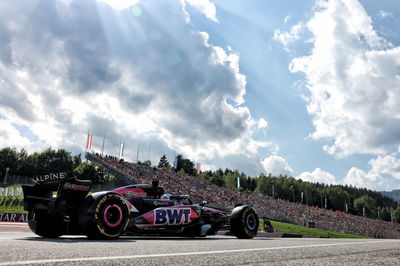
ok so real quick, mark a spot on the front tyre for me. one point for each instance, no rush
(244, 222)
(104, 217)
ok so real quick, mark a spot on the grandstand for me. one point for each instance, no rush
(122, 176)
(268, 207)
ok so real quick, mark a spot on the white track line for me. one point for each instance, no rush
(144, 256)
(13, 224)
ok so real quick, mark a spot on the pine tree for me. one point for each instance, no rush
(164, 164)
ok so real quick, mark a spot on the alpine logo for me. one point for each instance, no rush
(171, 216)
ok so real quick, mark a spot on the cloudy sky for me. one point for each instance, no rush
(308, 89)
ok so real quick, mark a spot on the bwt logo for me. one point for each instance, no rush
(172, 216)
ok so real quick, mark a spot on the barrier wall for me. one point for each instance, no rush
(13, 217)
(11, 192)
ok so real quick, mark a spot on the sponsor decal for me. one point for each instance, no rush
(10, 192)
(129, 194)
(49, 177)
(161, 203)
(172, 216)
(211, 210)
(69, 186)
(13, 217)
(140, 220)
(139, 194)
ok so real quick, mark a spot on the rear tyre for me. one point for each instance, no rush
(105, 217)
(244, 222)
(45, 225)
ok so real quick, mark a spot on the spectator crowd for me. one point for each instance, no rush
(275, 209)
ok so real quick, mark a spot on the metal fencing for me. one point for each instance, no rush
(14, 180)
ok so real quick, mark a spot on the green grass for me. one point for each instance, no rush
(12, 204)
(302, 230)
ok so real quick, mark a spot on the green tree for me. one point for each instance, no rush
(396, 214)
(263, 185)
(90, 171)
(164, 164)
(337, 198)
(188, 166)
(53, 161)
(250, 184)
(230, 180)
(206, 175)
(77, 160)
(185, 164)
(145, 163)
(366, 202)
(385, 213)
(9, 159)
(218, 181)
(28, 165)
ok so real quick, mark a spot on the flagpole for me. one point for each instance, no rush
(102, 147)
(121, 149)
(149, 150)
(87, 140)
(137, 154)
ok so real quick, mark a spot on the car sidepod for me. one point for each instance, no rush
(169, 216)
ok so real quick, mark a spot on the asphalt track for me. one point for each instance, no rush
(18, 246)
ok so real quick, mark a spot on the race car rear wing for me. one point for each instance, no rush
(41, 195)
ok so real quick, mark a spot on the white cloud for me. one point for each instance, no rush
(383, 174)
(287, 18)
(137, 78)
(353, 80)
(388, 164)
(262, 123)
(206, 7)
(385, 14)
(318, 176)
(293, 35)
(11, 137)
(358, 178)
(276, 165)
(120, 4)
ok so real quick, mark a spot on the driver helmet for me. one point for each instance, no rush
(166, 196)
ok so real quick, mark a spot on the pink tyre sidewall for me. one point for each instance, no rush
(112, 207)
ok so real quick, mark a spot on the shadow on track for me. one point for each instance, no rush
(74, 240)
(124, 239)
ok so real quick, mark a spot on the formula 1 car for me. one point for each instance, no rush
(141, 209)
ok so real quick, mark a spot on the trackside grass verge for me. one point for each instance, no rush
(302, 230)
(12, 204)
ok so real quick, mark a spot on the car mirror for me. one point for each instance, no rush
(203, 202)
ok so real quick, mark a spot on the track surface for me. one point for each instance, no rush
(18, 248)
